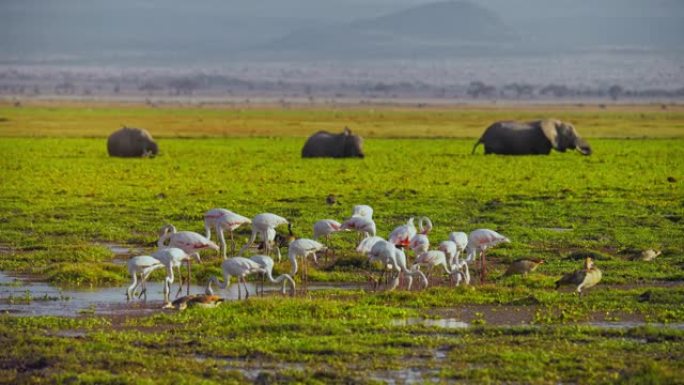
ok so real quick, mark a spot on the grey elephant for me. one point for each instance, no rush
(131, 142)
(326, 144)
(531, 138)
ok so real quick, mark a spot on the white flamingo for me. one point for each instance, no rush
(394, 259)
(363, 211)
(264, 225)
(188, 241)
(460, 239)
(303, 247)
(367, 244)
(432, 259)
(142, 265)
(172, 257)
(402, 235)
(361, 225)
(459, 268)
(267, 264)
(223, 220)
(419, 244)
(241, 267)
(324, 228)
(478, 242)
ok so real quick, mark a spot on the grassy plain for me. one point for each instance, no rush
(62, 198)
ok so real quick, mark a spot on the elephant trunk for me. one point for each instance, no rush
(582, 146)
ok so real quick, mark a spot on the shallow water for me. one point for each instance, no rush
(29, 297)
(448, 323)
(453, 323)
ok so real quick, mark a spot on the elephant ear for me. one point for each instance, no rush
(550, 129)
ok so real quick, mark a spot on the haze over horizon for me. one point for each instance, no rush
(635, 43)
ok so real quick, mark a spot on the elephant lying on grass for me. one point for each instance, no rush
(530, 138)
(326, 144)
(131, 142)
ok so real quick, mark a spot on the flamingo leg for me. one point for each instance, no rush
(244, 283)
(189, 277)
(483, 266)
(232, 244)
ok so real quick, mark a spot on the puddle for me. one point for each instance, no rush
(27, 297)
(120, 250)
(634, 324)
(448, 323)
(405, 376)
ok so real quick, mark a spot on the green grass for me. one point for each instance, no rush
(59, 207)
(63, 198)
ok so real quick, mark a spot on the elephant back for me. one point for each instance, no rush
(326, 144)
(131, 142)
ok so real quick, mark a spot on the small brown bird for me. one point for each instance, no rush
(331, 199)
(584, 278)
(199, 300)
(523, 266)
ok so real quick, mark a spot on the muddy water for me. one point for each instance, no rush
(28, 297)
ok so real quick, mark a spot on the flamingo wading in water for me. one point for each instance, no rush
(172, 257)
(142, 265)
(241, 267)
(188, 241)
(303, 247)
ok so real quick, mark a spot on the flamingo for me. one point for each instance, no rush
(363, 211)
(361, 225)
(419, 244)
(367, 244)
(241, 267)
(142, 265)
(479, 241)
(402, 235)
(324, 228)
(584, 278)
(459, 268)
(172, 257)
(188, 241)
(266, 263)
(303, 247)
(394, 258)
(221, 220)
(432, 259)
(460, 239)
(264, 225)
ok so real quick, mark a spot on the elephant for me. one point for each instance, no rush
(131, 142)
(326, 144)
(531, 138)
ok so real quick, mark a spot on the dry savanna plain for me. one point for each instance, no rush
(67, 210)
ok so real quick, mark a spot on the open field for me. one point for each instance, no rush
(63, 200)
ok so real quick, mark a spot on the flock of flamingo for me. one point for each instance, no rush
(178, 247)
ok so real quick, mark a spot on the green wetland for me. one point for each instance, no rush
(70, 216)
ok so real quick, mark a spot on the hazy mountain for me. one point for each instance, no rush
(435, 29)
(208, 32)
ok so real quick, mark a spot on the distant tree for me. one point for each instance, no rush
(150, 87)
(478, 88)
(615, 92)
(183, 86)
(556, 90)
